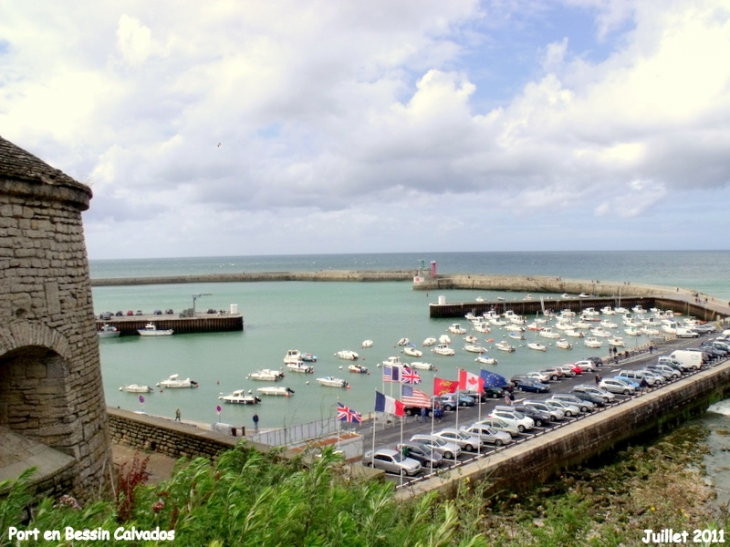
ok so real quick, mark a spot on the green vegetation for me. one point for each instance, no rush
(249, 498)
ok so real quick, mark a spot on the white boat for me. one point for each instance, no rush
(621, 310)
(590, 312)
(429, 341)
(632, 331)
(592, 342)
(456, 328)
(393, 361)
(638, 309)
(444, 339)
(309, 358)
(331, 381)
(504, 346)
(174, 381)
(367, 344)
(574, 333)
(486, 360)
(608, 324)
(108, 331)
(567, 314)
(501, 299)
(474, 348)
(608, 311)
(471, 339)
(535, 326)
(482, 327)
(412, 352)
(137, 388)
(294, 356)
(276, 391)
(516, 335)
(443, 349)
(616, 341)
(649, 331)
(514, 328)
(536, 346)
(300, 366)
(547, 332)
(403, 341)
(563, 344)
(600, 332)
(359, 369)
(240, 397)
(266, 375)
(150, 329)
(347, 354)
(583, 295)
(421, 365)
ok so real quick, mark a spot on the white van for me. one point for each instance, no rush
(688, 358)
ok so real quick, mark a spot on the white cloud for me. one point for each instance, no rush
(357, 121)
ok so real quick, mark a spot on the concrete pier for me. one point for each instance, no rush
(219, 322)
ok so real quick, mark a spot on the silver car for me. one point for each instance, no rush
(467, 442)
(569, 409)
(616, 386)
(447, 449)
(554, 413)
(391, 461)
(488, 435)
(585, 406)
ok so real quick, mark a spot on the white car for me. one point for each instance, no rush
(488, 435)
(585, 365)
(524, 423)
(616, 386)
(539, 376)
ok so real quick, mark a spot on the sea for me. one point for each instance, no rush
(325, 317)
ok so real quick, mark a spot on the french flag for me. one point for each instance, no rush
(383, 403)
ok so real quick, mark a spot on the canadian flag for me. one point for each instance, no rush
(470, 382)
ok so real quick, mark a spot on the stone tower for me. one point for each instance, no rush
(52, 409)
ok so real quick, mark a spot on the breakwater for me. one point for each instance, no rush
(219, 322)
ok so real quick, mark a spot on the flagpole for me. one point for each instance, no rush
(479, 416)
(458, 388)
(374, 415)
(339, 425)
(401, 442)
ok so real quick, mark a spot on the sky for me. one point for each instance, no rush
(229, 128)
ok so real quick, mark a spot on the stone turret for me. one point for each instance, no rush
(52, 409)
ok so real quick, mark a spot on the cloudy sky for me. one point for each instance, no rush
(287, 126)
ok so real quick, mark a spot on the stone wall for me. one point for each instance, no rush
(50, 377)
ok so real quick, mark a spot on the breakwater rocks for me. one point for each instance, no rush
(324, 275)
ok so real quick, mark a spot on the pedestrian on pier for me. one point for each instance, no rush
(177, 415)
(424, 414)
(256, 423)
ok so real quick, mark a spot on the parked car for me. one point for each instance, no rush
(130, 312)
(464, 440)
(487, 434)
(553, 373)
(392, 461)
(583, 405)
(683, 367)
(607, 396)
(625, 381)
(673, 372)
(597, 361)
(616, 386)
(447, 449)
(500, 425)
(157, 312)
(538, 416)
(509, 414)
(449, 401)
(586, 365)
(426, 455)
(107, 315)
(120, 313)
(596, 398)
(494, 392)
(532, 386)
(637, 376)
(569, 409)
(138, 312)
(539, 376)
(555, 414)
(570, 370)
(169, 311)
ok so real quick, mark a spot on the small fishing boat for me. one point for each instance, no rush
(563, 344)
(616, 341)
(516, 335)
(174, 382)
(412, 351)
(359, 369)
(266, 375)
(300, 366)
(470, 339)
(403, 341)
(429, 341)
(547, 332)
(108, 331)
(331, 381)
(240, 397)
(347, 355)
(367, 344)
(456, 328)
(137, 388)
(536, 346)
(444, 339)
(504, 346)
(486, 360)
(150, 329)
(474, 348)
(592, 342)
(421, 365)
(276, 391)
(443, 349)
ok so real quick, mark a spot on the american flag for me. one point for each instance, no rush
(346, 414)
(410, 376)
(414, 397)
(391, 373)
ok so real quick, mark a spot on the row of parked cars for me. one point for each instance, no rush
(107, 315)
(537, 381)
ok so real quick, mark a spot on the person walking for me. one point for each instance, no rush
(256, 422)
(424, 415)
(177, 415)
(598, 379)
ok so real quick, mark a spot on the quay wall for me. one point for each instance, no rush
(546, 455)
(181, 325)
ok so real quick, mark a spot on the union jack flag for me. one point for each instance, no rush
(346, 414)
(410, 376)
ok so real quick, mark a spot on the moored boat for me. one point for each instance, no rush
(331, 381)
(486, 360)
(276, 391)
(592, 342)
(174, 381)
(474, 348)
(421, 365)
(150, 329)
(300, 366)
(443, 349)
(347, 354)
(537, 346)
(412, 351)
(456, 328)
(504, 346)
(240, 397)
(563, 344)
(266, 375)
(430, 341)
(367, 344)
(137, 388)
(108, 331)
(357, 368)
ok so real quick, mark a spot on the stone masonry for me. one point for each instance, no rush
(50, 378)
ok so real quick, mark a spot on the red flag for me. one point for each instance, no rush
(470, 382)
(441, 386)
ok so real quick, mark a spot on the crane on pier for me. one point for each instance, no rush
(196, 296)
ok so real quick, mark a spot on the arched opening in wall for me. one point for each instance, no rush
(34, 397)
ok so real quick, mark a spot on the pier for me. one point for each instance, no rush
(219, 322)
